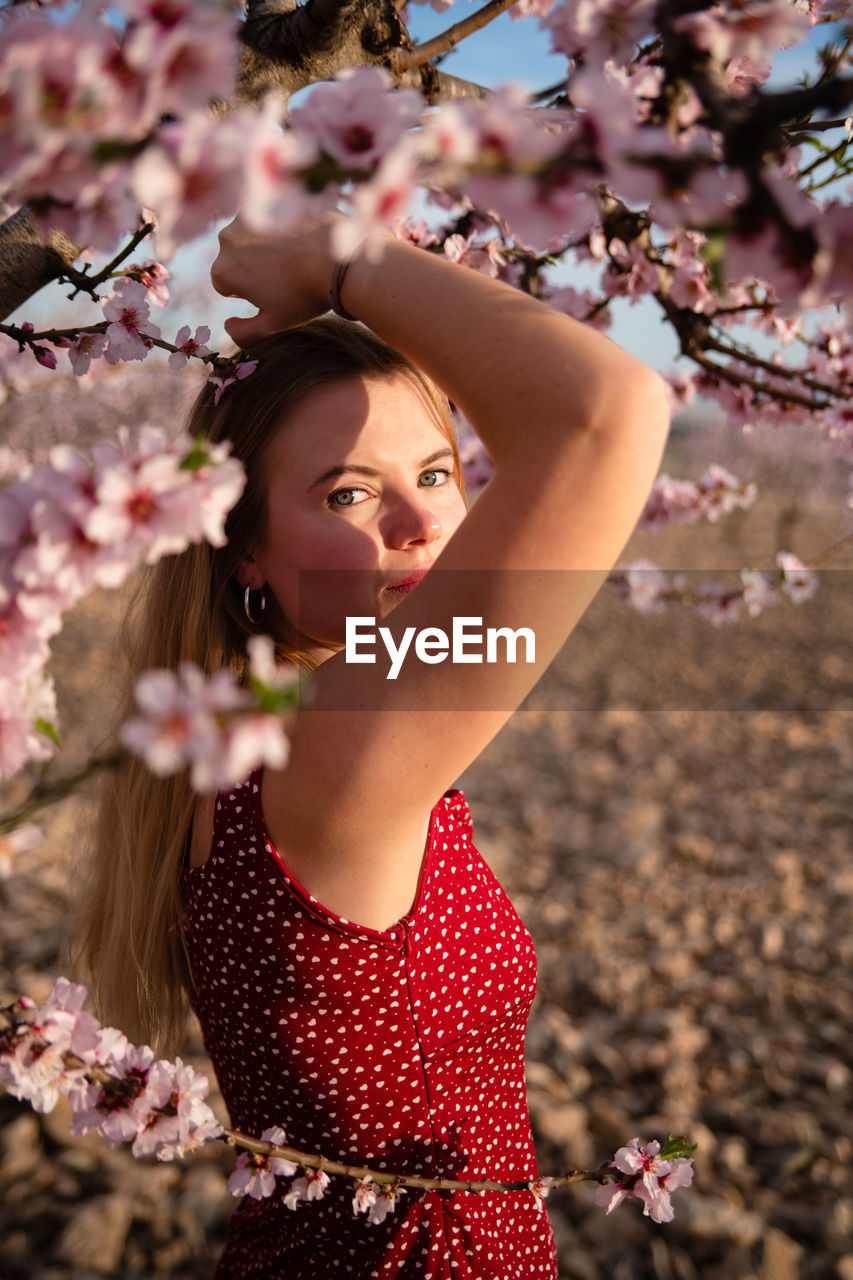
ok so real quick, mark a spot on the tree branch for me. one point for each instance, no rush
(403, 60)
(310, 1161)
(285, 51)
(27, 264)
(47, 793)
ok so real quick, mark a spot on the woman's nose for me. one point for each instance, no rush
(411, 521)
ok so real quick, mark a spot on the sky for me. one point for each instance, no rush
(503, 50)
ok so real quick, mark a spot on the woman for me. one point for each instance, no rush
(360, 978)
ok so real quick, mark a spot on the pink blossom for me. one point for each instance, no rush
(752, 29)
(681, 180)
(119, 1109)
(127, 311)
(252, 1176)
(609, 113)
(192, 63)
(681, 389)
(580, 304)
(155, 278)
(85, 348)
(192, 176)
(649, 1179)
(178, 1120)
(510, 131)
(365, 1195)
(276, 167)
(208, 722)
(417, 233)
(311, 1187)
(689, 288)
(540, 1188)
(477, 466)
(717, 605)
(716, 493)
(27, 702)
(630, 274)
(36, 1070)
(189, 347)
(531, 8)
(742, 75)
(223, 380)
(177, 715)
(758, 592)
(255, 1174)
(385, 1203)
(377, 204)
(600, 29)
(537, 212)
(834, 265)
(359, 118)
(449, 138)
(799, 583)
(150, 503)
(770, 256)
(44, 356)
(643, 586)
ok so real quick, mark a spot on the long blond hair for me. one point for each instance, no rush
(190, 608)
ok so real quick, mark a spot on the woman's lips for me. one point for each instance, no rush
(404, 585)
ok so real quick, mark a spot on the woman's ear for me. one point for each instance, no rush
(248, 574)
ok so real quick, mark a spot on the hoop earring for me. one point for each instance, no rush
(248, 608)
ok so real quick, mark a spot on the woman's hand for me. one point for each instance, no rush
(285, 274)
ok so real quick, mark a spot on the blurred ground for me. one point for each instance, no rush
(671, 814)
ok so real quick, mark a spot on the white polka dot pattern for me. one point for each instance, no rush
(402, 1049)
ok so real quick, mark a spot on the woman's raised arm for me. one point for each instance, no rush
(506, 359)
(575, 427)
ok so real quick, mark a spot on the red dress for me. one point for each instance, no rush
(402, 1049)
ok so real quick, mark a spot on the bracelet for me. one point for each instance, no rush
(339, 271)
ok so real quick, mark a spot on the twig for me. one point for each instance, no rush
(744, 380)
(405, 59)
(830, 553)
(738, 352)
(47, 793)
(84, 283)
(837, 150)
(236, 1139)
(24, 338)
(814, 126)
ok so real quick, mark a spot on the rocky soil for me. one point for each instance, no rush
(671, 813)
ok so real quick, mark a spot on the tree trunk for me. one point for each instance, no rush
(26, 263)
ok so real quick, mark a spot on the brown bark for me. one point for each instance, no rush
(27, 264)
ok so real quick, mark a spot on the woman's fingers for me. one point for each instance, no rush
(244, 330)
(284, 274)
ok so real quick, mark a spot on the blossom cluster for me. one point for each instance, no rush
(73, 523)
(715, 494)
(127, 333)
(114, 1088)
(219, 728)
(648, 590)
(86, 98)
(649, 1174)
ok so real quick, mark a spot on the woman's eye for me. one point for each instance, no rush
(346, 498)
(433, 483)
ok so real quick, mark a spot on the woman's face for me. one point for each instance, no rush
(361, 497)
